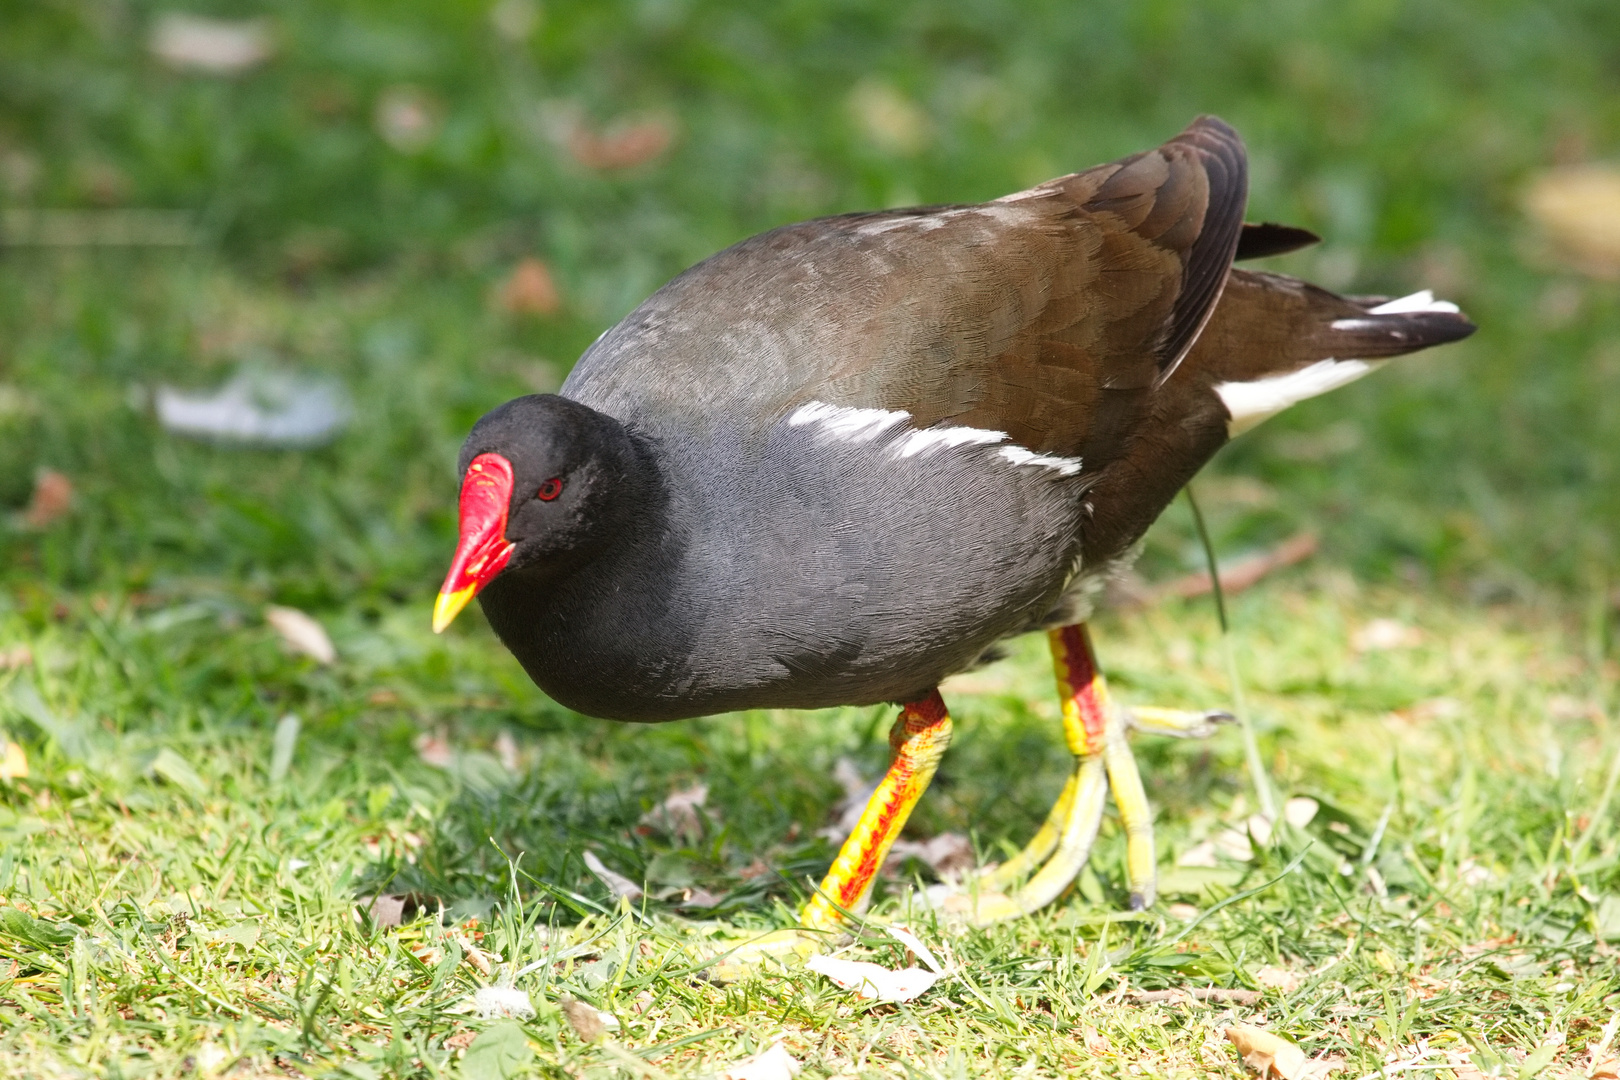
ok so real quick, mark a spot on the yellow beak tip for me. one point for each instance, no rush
(448, 606)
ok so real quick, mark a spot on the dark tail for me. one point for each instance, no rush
(1268, 325)
(1277, 340)
(1395, 327)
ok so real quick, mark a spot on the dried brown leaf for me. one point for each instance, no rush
(387, 911)
(529, 289)
(1272, 1055)
(1276, 978)
(873, 981)
(1300, 811)
(51, 501)
(774, 1063)
(213, 46)
(678, 814)
(588, 1022)
(618, 885)
(407, 119)
(1384, 634)
(434, 748)
(623, 145)
(475, 956)
(1578, 208)
(949, 854)
(13, 762)
(702, 898)
(888, 119)
(301, 633)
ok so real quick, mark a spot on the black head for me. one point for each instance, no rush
(546, 483)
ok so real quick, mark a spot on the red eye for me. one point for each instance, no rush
(550, 489)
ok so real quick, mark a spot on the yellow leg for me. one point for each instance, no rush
(919, 737)
(1141, 862)
(1176, 723)
(1072, 847)
(1084, 727)
(1096, 731)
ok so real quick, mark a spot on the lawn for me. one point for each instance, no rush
(187, 873)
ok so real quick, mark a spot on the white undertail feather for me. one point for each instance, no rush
(1418, 301)
(1251, 402)
(1257, 400)
(852, 425)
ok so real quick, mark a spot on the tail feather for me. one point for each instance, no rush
(1268, 238)
(1275, 341)
(1396, 327)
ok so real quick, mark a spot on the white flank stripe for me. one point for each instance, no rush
(850, 425)
(859, 426)
(1018, 455)
(925, 440)
(1251, 402)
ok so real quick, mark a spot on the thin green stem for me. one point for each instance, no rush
(1600, 812)
(1251, 746)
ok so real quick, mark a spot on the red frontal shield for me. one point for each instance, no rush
(482, 551)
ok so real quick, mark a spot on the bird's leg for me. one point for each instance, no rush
(1040, 846)
(1095, 730)
(919, 737)
(1141, 865)
(1063, 843)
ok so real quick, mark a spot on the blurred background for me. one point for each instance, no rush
(423, 209)
(262, 266)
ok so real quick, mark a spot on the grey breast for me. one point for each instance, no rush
(846, 557)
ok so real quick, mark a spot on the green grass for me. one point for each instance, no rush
(189, 906)
(174, 908)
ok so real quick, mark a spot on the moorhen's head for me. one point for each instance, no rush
(541, 477)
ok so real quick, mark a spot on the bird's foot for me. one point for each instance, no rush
(1096, 730)
(919, 737)
(778, 947)
(1176, 723)
(1056, 855)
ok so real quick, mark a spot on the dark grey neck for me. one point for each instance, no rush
(568, 614)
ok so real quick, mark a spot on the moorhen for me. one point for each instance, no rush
(837, 462)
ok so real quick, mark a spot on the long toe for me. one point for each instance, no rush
(1073, 848)
(761, 953)
(1038, 850)
(1141, 859)
(1176, 723)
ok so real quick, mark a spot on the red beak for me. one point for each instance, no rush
(482, 551)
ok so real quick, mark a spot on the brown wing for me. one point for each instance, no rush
(1143, 249)
(1049, 314)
